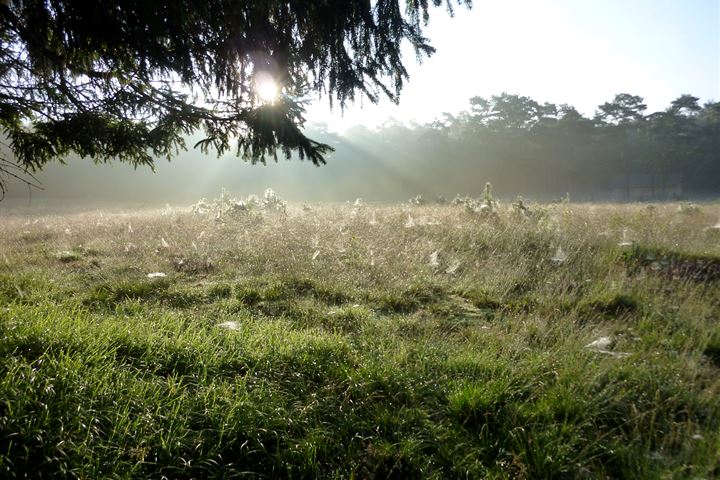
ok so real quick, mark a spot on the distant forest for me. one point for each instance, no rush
(545, 150)
(541, 151)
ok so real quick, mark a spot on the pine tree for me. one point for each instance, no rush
(130, 79)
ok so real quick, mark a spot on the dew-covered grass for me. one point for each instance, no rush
(376, 341)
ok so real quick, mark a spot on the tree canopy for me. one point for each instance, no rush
(130, 79)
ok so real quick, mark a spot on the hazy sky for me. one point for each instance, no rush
(580, 52)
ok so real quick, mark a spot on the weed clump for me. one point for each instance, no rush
(612, 305)
(689, 208)
(417, 200)
(487, 206)
(412, 299)
(248, 295)
(228, 207)
(110, 294)
(671, 263)
(481, 299)
(219, 291)
(66, 256)
(18, 288)
(192, 265)
(396, 303)
(712, 349)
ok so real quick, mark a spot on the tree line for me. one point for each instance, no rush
(545, 150)
(539, 150)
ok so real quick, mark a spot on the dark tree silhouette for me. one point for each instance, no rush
(129, 79)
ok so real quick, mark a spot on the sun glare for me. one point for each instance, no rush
(267, 90)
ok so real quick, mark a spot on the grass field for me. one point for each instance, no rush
(573, 341)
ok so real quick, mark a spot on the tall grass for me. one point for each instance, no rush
(351, 342)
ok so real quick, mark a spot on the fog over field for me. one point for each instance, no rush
(558, 61)
(541, 151)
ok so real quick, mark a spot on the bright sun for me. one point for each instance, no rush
(267, 90)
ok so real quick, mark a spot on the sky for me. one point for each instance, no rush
(580, 52)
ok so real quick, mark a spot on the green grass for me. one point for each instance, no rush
(355, 350)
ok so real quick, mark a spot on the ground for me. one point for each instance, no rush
(369, 341)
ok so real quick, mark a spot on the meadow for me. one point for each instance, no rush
(461, 340)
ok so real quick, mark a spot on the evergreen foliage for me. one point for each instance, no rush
(129, 79)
